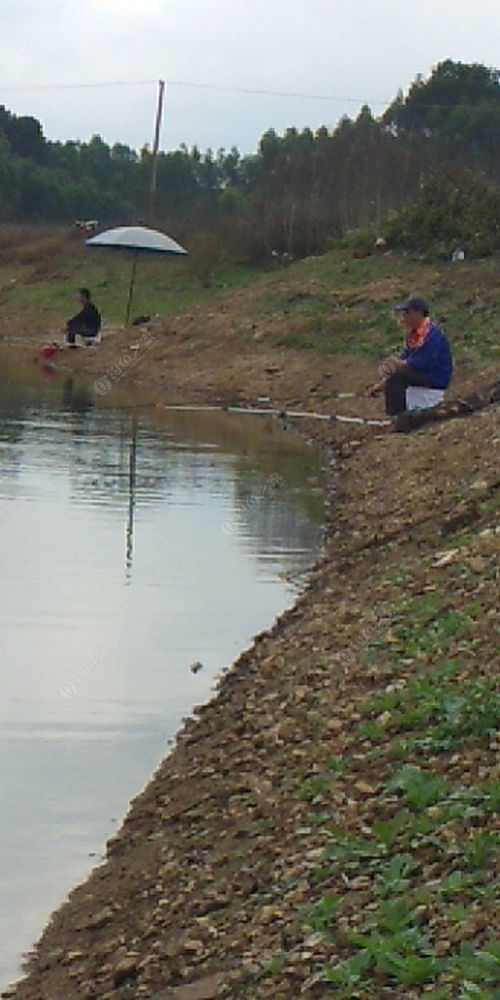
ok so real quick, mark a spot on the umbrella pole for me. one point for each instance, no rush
(131, 287)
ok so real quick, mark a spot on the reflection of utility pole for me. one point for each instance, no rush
(132, 473)
(154, 157)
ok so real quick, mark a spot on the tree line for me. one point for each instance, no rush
(299, 192)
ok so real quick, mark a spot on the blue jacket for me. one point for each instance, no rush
(432, 359)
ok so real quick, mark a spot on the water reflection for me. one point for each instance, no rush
(132, 475)
(75, 397)
(130, 549)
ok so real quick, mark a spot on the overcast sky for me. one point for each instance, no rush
(351, 51)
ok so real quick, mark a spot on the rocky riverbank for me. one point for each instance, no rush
(326, 825)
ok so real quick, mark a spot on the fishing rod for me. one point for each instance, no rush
(275, 412)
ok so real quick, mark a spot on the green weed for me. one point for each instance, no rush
(388, 831)
(320, 916)
(481, 968)
(318, 784)
(420, 788)
(393, 878)
(478, 851)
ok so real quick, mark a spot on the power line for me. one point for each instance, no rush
(225, 88)
(197, 86)
(77, 86)
(274, 93)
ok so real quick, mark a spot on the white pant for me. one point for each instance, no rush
(419, 397)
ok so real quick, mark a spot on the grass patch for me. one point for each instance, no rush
(329, 305)
(426, 860)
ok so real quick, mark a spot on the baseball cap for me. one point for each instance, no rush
(416, 303)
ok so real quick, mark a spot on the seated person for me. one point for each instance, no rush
(86, 323)
(425, 359)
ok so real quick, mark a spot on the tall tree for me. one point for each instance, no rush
(457, 111)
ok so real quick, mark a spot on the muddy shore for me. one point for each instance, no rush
(204, 889)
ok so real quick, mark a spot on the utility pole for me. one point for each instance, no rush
(154, 157)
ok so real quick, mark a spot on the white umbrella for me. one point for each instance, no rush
(139, 239)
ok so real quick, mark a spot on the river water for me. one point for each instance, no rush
(131, 550)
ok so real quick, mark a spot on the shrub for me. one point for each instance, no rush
(452, 208)
(204, 253)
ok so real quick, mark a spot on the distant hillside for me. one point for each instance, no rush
(298, 194)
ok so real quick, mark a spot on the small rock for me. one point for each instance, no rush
(314, 940)
(442, 948)
(445, 558)
(191, 945)
(202, 989)
(365, 788)
(126, 969)
(335, 726)
(100, 918)
(268, 914)
(477, 564)
(384, 719)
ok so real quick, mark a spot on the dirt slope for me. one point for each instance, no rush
(327, 825)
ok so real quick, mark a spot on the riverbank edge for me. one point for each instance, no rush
(91, 947)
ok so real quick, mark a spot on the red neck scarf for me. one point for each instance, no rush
(417, 337)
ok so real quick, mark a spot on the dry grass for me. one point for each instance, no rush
(25, 245)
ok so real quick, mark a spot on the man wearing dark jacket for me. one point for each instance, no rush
(87, 322)
(425, 359)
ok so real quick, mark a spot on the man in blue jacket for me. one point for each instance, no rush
(425, 359)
